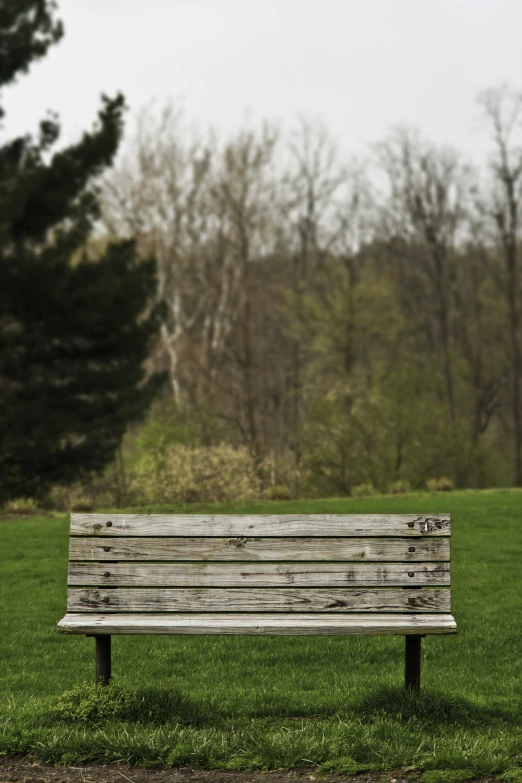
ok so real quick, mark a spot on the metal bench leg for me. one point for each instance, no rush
(103, 659)
(412, 662)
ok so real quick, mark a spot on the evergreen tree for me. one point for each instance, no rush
(73, 336)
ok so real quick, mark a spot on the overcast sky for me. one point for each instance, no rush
(360, 65)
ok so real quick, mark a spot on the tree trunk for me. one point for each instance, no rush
(515, 350)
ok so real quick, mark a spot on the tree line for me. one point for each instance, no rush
(355, 323)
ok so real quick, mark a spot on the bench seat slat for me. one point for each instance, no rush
(268, 624)
(261, 600)
(287, 525)
(259, 574)
(251, 549)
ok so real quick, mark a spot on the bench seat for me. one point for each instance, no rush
(267, 624)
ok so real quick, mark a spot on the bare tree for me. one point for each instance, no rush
(244, 194)
(427, 200)
(165, 193)
(312, 184)
(503, 109)
(354, 230)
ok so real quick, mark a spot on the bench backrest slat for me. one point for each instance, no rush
(259, 574)
(392, 550)
(259, 600)
(286, 525)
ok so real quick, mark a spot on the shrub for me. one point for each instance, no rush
(443, 484)
(278, 492)
(364, 490)
(94, 492)
(20, 507)
(81, 504)
(399, 487)
(195, 474)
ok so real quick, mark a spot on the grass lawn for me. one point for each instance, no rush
(331, 703)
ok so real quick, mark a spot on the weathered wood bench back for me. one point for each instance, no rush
(277, 574)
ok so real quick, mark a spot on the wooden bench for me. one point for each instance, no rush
(337, 574)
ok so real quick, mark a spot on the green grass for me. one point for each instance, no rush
(331, 703)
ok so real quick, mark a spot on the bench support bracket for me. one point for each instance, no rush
(103, 659)
(412, 662)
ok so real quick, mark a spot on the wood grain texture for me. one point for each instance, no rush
(287, 525)
(260, 600)
(260, 549)
(259, 625)
(258, 574)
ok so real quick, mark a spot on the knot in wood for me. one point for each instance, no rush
(337, 604)
(238, 542)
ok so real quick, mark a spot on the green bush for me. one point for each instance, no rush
(443, 484)
(344, 445)
(278, 492)
(170, 423)
(364, 490)
(94, 492)
(81, 504)
(179, 473)
(20, 507)
(399, 487)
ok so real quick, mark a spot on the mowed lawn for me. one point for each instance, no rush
(330, 703)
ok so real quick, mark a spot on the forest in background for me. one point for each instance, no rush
(328, 329)
(191, 318)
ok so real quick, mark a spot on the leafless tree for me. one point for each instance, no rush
(192, 205)
(503, 110)
(245, 194)
(159, 194)
(312, 185)
(426, 207)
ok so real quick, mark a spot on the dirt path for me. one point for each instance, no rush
(21, 770)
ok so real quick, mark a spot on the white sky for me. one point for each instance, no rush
(360, 65)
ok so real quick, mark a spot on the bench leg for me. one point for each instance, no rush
(103, 659)
(412, 662)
